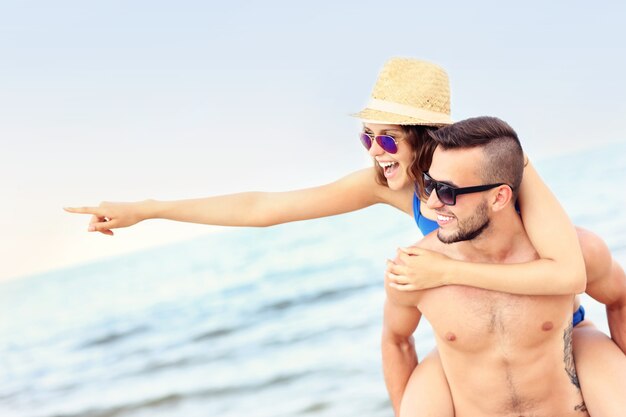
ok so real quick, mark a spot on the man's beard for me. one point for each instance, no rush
(470, 228)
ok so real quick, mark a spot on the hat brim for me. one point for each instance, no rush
(381, 117)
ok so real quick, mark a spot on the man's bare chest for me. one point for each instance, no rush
(474, 319)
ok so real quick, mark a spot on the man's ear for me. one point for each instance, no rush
(502, 197)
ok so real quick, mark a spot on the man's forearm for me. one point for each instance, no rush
(399, 361)
(613, 295)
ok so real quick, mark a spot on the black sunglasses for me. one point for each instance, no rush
(447, 193)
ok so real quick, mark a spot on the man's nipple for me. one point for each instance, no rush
(546, 326)
(450, 337)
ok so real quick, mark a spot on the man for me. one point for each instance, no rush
(500, 354)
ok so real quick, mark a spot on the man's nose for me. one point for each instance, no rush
(433, 201)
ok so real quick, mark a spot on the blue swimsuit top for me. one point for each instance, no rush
(425, 225)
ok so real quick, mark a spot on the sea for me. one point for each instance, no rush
(279, 321)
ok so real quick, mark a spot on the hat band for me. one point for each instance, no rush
(409, 111)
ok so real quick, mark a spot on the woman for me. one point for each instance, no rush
(409, 98)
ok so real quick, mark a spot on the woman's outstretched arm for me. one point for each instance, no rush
(561, 269)
(353, 192)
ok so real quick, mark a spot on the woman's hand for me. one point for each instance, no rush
(417, 269)
(109, 215)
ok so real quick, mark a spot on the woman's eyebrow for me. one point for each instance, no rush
(387, 131)
(384, 131)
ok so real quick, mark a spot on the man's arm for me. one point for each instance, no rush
(616, 309)
(398, 348)
(606, 283)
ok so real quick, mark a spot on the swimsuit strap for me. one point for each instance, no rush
(579, 315)
(425, 225)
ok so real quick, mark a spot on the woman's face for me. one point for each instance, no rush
(395, 165)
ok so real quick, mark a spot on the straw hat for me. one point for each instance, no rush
(409, 92)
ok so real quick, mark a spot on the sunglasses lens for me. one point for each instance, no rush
(387, 143)
(445, 194)
(429, 185)
(366, 140)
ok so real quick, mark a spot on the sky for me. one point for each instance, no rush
(123, 101)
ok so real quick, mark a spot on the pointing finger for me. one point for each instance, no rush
(84, 210)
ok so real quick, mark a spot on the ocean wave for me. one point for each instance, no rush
(325, 295)
(166, 400)
(217, 333)
(113, 337)
(174, 398)
(316, 407)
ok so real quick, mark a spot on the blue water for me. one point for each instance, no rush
(281, 321)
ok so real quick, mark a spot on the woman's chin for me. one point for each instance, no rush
(397, 183)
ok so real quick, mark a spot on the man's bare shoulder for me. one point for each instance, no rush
(412, 298)
(431, 242)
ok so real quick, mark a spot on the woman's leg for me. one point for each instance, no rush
(601, 369)
(600, 363)
(427, 393)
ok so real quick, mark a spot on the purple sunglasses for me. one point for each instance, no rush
(388, 143)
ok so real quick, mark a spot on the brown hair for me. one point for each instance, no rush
(422, 148)
(504, 157)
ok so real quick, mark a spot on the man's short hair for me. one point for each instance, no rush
(504, 157)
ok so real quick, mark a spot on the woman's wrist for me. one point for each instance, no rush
(149, 209)
(450, 272)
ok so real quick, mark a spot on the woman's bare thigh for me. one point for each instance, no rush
(601, 369)
(427, 393)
